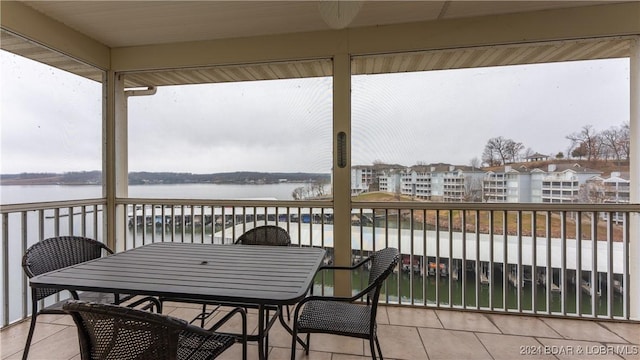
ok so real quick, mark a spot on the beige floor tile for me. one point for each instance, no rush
(337, 344)
(235, 352)
(413, 317)
(630, 332)
(56, 319)
(279, 336)
(399, 342)
(55, 337)
(452, 345)
(625, 351)
(61, 345)
(349, 357)
(522, 325)
(285, 354)
(461, 320)
(583, 330)
(382, 317)
(12, 339)
(234, 325)
(574, 349)
(509, 347)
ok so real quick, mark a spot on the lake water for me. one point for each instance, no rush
(16, 194)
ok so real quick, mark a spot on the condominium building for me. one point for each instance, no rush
(361, 179)
(442, 182)
(617, 188)
(508, 185)
(562, 183)
(613, 190)
(377, 177)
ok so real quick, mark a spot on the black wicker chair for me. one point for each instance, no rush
(265, 235)
(116, 332)
(57, 253)
(343, 315)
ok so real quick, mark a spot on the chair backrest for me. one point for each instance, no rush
(382, 264)
(57, 253)
(116, 332)
(265, 235)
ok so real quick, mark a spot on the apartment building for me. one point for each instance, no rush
(416, 182)
(615, 189)
(361, 179)
(508, 185)
(377, 177)
(442, 182)
(391, 181)
(562, 183)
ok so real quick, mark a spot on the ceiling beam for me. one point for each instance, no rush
(619, 19)
(27, 23)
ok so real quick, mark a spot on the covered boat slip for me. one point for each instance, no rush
(414, 243)
(308, 229)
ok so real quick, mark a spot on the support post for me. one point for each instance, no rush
(634, 169)
(342, 171)
(115, 164)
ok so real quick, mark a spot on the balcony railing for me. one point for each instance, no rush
(561, 259)
(26, 224)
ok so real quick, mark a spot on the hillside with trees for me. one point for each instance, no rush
(138, 178)
(610, 145)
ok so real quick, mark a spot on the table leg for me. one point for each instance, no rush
(289, 329)
(261, 350)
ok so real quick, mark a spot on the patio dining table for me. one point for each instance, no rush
(265, 277)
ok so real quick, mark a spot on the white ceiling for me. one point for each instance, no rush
(134, 23)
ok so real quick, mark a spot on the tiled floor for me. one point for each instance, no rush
(405, 333)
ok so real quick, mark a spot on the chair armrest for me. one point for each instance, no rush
(353, 267)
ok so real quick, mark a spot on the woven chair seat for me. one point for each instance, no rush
(196, 347)
(335, 317)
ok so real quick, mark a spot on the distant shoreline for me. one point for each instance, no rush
(151, 178)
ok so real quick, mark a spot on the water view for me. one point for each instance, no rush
(16, 194)
(455, 284)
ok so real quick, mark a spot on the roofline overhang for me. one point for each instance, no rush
(589, 22)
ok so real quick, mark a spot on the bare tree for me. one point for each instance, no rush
(500, 150)
(309, 191)
(625, 132)
(495, 151)
(472, 189)
(475, 163)
(592, 192)
(589, 141)
(579, 152)
(513, 150)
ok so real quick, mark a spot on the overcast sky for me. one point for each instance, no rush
(51, 119)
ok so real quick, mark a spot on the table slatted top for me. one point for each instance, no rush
(231, 273)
